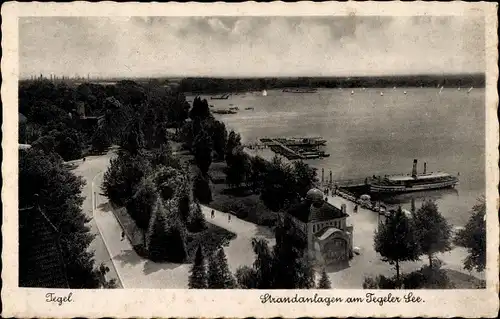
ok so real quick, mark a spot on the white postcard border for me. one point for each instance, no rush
(23, 302)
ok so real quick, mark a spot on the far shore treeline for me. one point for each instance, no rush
(228, 84)
(212, 85)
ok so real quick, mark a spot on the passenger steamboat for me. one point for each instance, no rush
(415, 182)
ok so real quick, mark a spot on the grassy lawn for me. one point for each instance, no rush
(240, 202)
(210, 239)
(462, 280)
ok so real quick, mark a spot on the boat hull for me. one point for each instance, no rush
(374, 188)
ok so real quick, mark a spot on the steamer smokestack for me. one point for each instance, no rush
(425, 168)
(414, 170)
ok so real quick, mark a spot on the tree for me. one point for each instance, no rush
(100, 140)
(149, 128)
(198, 273)
(258, 171)
(168, 179)
(233, 141)
(473, 237)
(196, 221)
(123, 175)
(285, 266)
(432, 231)
(134, 138)
(165, 240)
(278, 186)
(324, 281)
(200, 110)
(219, 275)
(175, 239)
(246, 277)
(201, 189)
(396, 240)
(140, 207)
(219, 137)
(238, 168)
(45, 143)
(45, 182)
(305, 177)
(156, 238)
(163, 156)
(292, 269)
(202, 147)
(160, 135)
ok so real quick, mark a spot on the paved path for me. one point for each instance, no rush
(239, 252)
(368, 263)
(88, 169)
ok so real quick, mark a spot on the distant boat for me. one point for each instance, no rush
(381, 93)
(363, 89)
(352, 92)
(222, 97)
(458, 89)
(470, 89)
(394, 88)
(264, 93)
(404, 92)
(306, 90)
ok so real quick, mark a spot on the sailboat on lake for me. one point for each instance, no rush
(264, 93)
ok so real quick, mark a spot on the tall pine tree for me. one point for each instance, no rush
(324, 281)
(198, 273)
(219, 275)
(157, 233)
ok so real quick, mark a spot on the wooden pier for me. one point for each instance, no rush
(296, 148)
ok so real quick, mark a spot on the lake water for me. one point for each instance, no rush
(372, 134)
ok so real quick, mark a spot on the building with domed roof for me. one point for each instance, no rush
(329, 239)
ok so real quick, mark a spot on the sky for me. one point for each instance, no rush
(251, 46)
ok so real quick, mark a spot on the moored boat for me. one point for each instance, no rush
(406, 183)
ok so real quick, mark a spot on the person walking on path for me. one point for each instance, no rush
(123, 235)
(212, 214)
(228, 218)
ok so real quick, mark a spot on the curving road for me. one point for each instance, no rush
(88, 170)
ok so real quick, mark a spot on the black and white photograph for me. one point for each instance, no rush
(254, 153)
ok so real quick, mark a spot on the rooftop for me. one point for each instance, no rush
(323, 211)
(327, 232)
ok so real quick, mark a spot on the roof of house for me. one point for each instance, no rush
(308, 212)
(326, 232)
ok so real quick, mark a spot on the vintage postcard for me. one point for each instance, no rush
(250, 160)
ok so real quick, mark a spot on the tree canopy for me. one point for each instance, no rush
(433, 232)
(396, 240)
(473, 237)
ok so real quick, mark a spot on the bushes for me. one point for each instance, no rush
(425, 278)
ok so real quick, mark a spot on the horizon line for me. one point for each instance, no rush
(464, 74)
